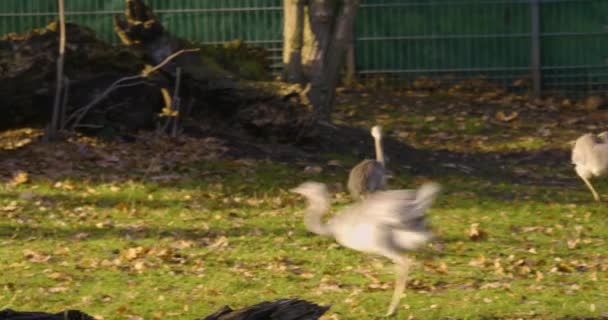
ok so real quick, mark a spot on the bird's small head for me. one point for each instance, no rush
(376, 132)
(311, 190)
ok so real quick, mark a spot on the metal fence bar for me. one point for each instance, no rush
(535, 63)
(482, 36)
(457, 3)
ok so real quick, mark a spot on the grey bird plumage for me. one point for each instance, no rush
(369, 175)
(386, 223)
(590, 158)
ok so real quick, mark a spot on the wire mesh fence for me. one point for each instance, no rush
(399, 39)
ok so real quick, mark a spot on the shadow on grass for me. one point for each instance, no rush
(23, 232)
(405, 161)
(488, 165)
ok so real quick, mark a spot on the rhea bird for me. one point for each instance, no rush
(590, 158)
(386, 223)
(369, 175)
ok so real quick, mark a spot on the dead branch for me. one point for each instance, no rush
(176, 101)
(55, 121)
(64, 103)
(79, 114)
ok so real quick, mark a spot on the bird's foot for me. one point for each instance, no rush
(391, 312)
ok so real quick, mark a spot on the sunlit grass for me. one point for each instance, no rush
(229, 232)
(184, 249)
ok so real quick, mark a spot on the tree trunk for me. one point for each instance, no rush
(321, 15)
(326, 35)
(293, 29)
(342, 37)
(351, 69)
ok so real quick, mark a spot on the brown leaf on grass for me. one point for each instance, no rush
(475, 233)
(12, 206)
(220, 243)
(182, 244)
(572, 243)
(134, 253)
(500, 115)
(59, 276)
(593, 276)
(139, 265)
(325, 286)
(442, 268)
(539, 276)
(380, 285)
(36, 256)
(498, 268)
(59, 289)
(524, 270)
(80, 236)
(18, 178)
(313, 169)
(479, 262)
(594, 102)
(65, 185)
(495, 285)
(104, 224)
(562, 267)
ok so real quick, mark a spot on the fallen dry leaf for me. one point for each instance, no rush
(36, 256)
(500, 115)
(20, 177)
(475, 233)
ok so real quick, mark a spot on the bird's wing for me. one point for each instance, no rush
(398, 208)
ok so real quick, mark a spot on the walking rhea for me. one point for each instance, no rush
(369, 175)
(590, 158)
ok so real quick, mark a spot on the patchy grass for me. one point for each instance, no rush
(122, 234)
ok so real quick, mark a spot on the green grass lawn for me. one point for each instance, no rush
(134, 244)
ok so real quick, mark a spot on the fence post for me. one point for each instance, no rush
(535, 63)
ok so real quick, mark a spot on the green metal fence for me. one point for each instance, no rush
(401, 38)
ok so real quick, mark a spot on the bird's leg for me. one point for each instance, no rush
(595, 195)
(403, 266)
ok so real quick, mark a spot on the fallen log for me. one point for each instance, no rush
(212, 98)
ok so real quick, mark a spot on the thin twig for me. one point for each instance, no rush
(64, 102)
(176, 100)
(60, 62)
(145, 73)
(80, 113)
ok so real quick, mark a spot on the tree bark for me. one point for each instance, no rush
(342, 37)
(326, 35)
(351, 68)
(293, 29)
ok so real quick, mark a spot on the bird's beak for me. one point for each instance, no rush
(571, 143)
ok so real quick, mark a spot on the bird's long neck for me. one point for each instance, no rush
(379, 152)
(312, 219)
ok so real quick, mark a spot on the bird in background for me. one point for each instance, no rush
(590, 158)
(369, 175)
(386, 223)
